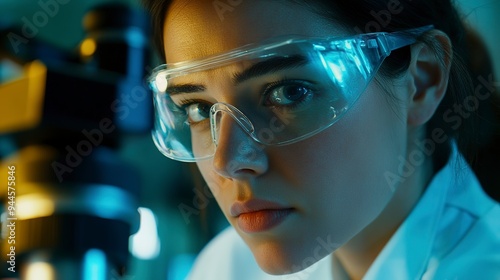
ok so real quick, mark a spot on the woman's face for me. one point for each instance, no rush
(297, 203)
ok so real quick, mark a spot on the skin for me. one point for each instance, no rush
(334, 180)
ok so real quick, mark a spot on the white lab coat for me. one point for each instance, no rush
(452, 233)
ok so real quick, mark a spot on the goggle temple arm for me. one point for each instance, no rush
(399, 39)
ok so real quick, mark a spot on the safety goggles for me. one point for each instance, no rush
(279, 92)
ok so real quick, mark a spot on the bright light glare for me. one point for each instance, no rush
(161, 83)
(145, 244)
(39, 271)
(94, 265)
(337, 71)
(32, 206)
(88, 47)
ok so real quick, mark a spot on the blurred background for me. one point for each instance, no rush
(102, 162)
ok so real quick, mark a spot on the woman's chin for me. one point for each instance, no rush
(280, 261)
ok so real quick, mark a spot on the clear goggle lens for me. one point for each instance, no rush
(285, 91)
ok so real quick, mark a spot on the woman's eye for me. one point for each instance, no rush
(198, 112)
(288, 93)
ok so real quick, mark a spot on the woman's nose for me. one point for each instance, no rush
(237, 155)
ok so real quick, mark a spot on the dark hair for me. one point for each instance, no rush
(363, 16)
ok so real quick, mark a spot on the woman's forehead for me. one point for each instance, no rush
(196, 29)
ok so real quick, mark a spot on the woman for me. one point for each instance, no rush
(332, 152)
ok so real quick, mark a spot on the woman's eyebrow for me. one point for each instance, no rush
(269, 66)
(184, 88)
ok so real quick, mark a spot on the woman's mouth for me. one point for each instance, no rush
(259, 215)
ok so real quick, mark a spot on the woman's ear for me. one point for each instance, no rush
(429, 73)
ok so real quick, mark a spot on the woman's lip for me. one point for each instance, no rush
(254, 205)
(259, 215)
(262, 220)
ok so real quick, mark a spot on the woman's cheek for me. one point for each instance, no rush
(215, 183)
